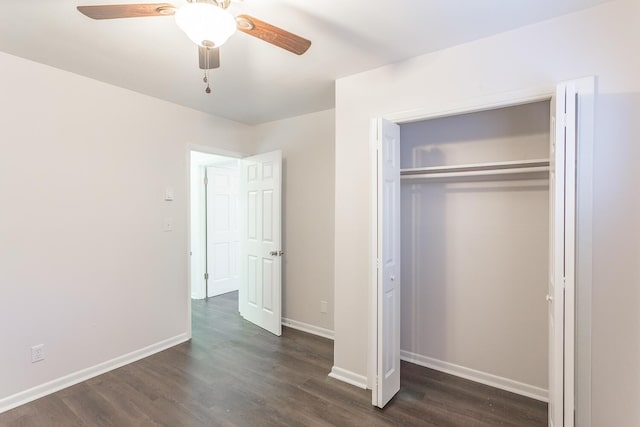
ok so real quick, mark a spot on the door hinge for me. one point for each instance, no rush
(206, 180)
(562, 119)
(206, 276)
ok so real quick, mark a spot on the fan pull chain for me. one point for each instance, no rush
(206, 80)
(206, 71)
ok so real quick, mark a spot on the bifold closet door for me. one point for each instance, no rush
(561, 293)
(388, 260)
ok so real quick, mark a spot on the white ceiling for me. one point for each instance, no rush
(258, 82)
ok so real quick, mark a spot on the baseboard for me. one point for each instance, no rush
(477, 376)
(305, 327)
(42, 390)
(348, 377)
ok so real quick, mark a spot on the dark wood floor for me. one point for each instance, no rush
(233, 373)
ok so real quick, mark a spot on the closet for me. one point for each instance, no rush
(474, 244)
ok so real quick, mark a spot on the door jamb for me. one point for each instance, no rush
(584, 194)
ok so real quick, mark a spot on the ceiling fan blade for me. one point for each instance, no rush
(209, 57)
(114, 11)
(272, 34)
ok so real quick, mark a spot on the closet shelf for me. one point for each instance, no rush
(477, 169)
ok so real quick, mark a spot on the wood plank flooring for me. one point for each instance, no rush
(233, 373)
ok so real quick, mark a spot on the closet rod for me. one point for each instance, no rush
(513, 164)
(482, 172)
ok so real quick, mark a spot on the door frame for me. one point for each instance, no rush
(586, 89)
(207, 150)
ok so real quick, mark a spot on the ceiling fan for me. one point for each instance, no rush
(207, 23)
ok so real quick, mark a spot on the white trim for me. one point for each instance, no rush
(348, 377)
(570, 121)
(306, 327)
(42, 390)
(477, 376)
(214, 150)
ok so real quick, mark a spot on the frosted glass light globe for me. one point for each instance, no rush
(206, 24)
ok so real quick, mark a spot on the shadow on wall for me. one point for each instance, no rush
(423, 214)
(512, 131)
(427, 262)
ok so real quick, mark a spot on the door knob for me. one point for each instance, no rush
(276, 253)
(549, 298)
(392, 278)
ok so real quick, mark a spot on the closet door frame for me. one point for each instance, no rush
(585, 90)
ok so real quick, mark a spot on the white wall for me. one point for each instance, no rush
(307, 144)
(600, 41)
(474, 250)
(85, 267)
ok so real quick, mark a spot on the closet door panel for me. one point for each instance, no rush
(388, 292)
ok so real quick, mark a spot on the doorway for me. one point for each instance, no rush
(215, 230)
(235, 235)
(572, 127)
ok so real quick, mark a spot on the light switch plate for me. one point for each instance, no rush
(37, 353)
(169, 194)
(323, 306)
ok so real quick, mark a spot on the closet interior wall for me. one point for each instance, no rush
(475, 249)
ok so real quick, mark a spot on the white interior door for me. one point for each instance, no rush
(388, 294)
(223, 233)
(261, 266)
(562, 256)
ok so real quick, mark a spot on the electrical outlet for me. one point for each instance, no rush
(323, 306)
(37, 353)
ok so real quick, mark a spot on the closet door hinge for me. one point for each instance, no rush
(206, 180)
(206, 276)
(562, 120)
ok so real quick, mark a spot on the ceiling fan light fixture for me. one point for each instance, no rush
(206, 24)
